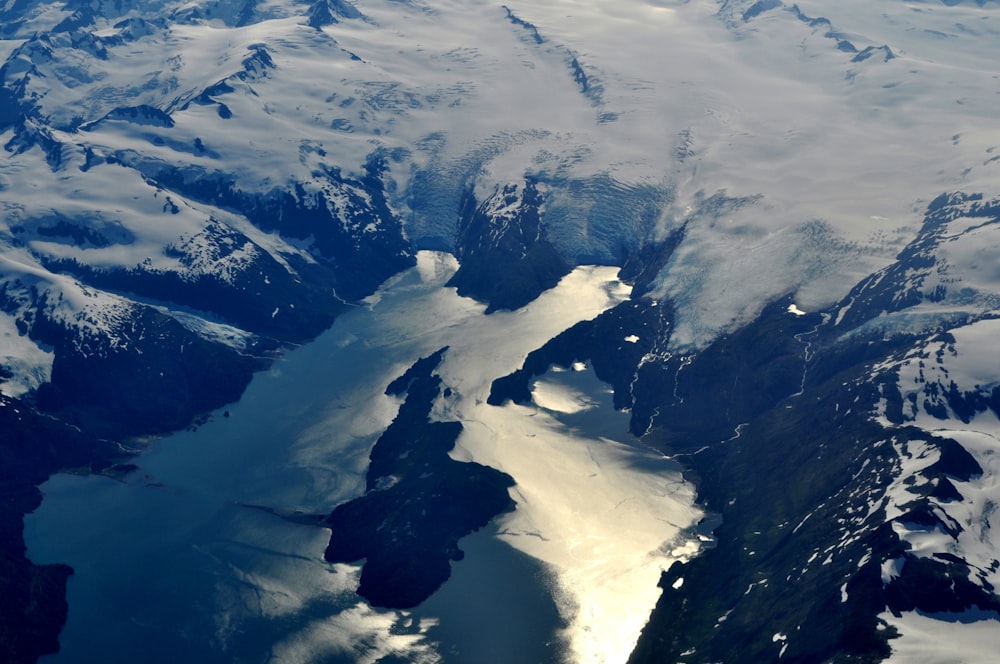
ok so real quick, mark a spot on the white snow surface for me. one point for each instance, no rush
(27, 363)
(972, 365)
(797, 166)
(944, 639)
(829, 160)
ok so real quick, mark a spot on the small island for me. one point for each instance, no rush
(418, 503)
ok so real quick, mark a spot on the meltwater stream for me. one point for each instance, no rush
(171, 565)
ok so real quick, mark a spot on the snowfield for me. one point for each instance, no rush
(667, 109)
(790, 149)
(967, 363)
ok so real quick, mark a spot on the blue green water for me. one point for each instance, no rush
(172, 566)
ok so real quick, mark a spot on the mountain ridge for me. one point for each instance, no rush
(190, 188)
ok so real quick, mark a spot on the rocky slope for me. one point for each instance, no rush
(836, 448)
(186, 189)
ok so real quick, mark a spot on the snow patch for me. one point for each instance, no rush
(794, 310)
(27, 364)
(969, 638)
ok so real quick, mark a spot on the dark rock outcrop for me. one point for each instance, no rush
(419, 501)
(505, 259)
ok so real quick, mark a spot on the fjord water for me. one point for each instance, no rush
(174, 562)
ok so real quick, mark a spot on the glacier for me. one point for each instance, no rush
(457, 115)
(801, 199)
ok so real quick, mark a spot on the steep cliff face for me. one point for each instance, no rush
(505, 257)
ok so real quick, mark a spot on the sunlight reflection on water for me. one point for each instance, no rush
(172, 565)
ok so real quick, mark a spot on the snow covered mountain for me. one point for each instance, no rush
(803, 198)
